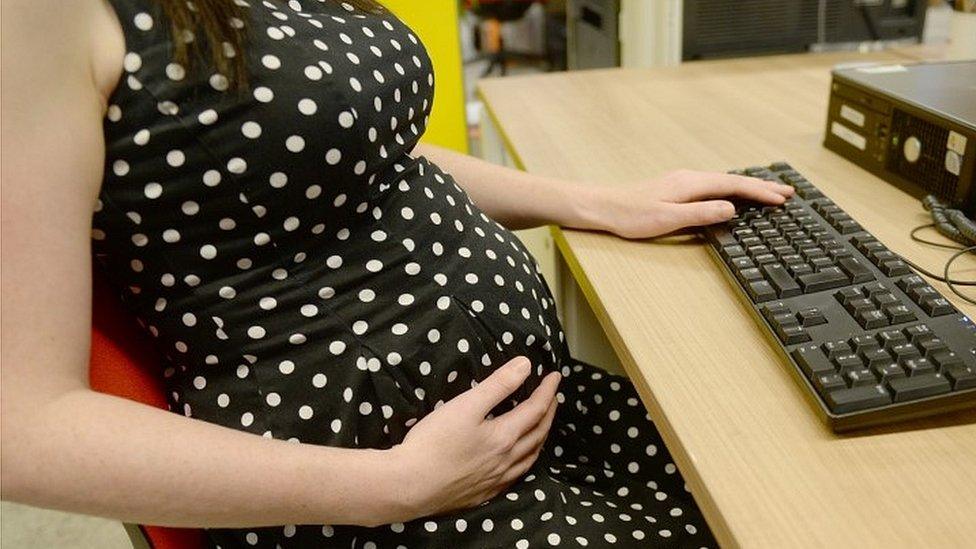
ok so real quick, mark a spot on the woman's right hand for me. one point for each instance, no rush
(456, 458)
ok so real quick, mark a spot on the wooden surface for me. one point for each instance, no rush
(765, 470)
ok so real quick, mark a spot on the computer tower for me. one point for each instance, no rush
(913, 125)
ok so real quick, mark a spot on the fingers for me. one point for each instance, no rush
(536, 436)
(671, 217)
(523, 464)
(530, 411)
(704, 185)
(498, 386)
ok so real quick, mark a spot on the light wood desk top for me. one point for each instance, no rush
(765, 470)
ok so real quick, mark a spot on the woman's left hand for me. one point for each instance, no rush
(679, 199)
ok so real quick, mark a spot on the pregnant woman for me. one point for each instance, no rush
(358, 351)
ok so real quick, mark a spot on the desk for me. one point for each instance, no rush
(765, 470)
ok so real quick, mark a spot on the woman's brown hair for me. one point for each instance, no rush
(222, 24)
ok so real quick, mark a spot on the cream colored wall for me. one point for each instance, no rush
(650, 32)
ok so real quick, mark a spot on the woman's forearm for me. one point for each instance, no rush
(98, 454)
(517, 199)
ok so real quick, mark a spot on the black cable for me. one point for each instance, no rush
(934, 276)
(930, 242)
(949, 281)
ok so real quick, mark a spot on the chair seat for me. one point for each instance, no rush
(124, 363)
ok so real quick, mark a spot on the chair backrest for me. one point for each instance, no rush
(124, 363)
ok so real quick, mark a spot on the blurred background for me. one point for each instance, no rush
(474, 39)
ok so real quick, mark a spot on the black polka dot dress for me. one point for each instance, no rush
(307, 278)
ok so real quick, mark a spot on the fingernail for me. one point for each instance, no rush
(523, 365)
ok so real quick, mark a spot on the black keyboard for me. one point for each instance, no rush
(869, 339)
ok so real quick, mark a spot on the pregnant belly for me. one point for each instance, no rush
(423, 297)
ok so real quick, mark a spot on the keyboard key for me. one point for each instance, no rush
(880, 256)
(812, 361)
(848, 226)
(781, 280)
(772, 309)
(918, 386)
(828, 382)
(839, 252)
(791, 334)
(834, 349)
(888, 371)
(861, 343)
(944, 358)
(898, 314)
(910, 282)
(920, 294)
(914, 333)
(885, 299)
(812, 253)
(784, 319)
(847, 294)
(821, 263)
(855, 306)
(876, 357)
(870, 319)
(930, 345)
(846, 363)
(895, 267)
(860, 240)
(731, 251)
(938, 306)
(749, 275)
(891, 338)
(918, 366)
(742, 262)
(809, 193)
(905, 351)
(810, 317)
(874, 288)
(797, 269)
(961, 376)
(855, 269)
(843, 401)
(760, 290)
(757, 249)
(860, 377)
(831, 277)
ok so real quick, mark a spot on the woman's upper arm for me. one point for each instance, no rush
(53, 156)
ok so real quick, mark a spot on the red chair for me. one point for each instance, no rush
(124, 363)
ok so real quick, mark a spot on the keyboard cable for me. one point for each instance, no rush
(959, 252)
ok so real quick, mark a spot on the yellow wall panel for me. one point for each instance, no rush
(436, 24)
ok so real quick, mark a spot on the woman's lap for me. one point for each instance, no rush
(603, 479)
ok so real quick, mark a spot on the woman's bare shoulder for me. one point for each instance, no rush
(81, 41)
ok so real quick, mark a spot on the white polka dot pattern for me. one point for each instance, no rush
(308, 279)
